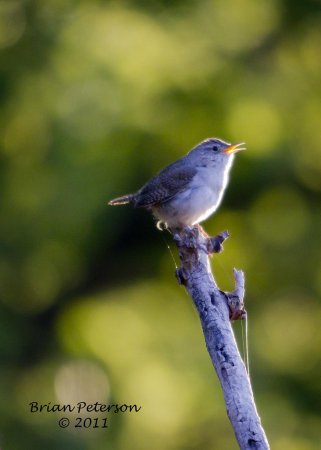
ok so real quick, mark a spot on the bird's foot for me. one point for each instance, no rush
(162, 226)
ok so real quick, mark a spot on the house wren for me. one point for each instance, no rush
(190, 189)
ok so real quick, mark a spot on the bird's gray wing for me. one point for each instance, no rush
(164, 186)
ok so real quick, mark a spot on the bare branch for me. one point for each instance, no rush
(216, 308)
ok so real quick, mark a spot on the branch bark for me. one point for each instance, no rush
(216, 308)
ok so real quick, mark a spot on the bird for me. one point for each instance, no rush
(189, 190)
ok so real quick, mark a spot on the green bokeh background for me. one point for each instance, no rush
(96, 96)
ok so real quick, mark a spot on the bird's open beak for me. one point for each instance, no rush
(233, 148)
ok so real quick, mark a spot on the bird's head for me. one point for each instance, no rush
(214, 151)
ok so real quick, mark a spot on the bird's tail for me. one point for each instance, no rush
(121, 200)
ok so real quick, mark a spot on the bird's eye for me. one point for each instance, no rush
(215, 148)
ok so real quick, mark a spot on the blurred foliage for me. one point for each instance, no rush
(96, 96)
